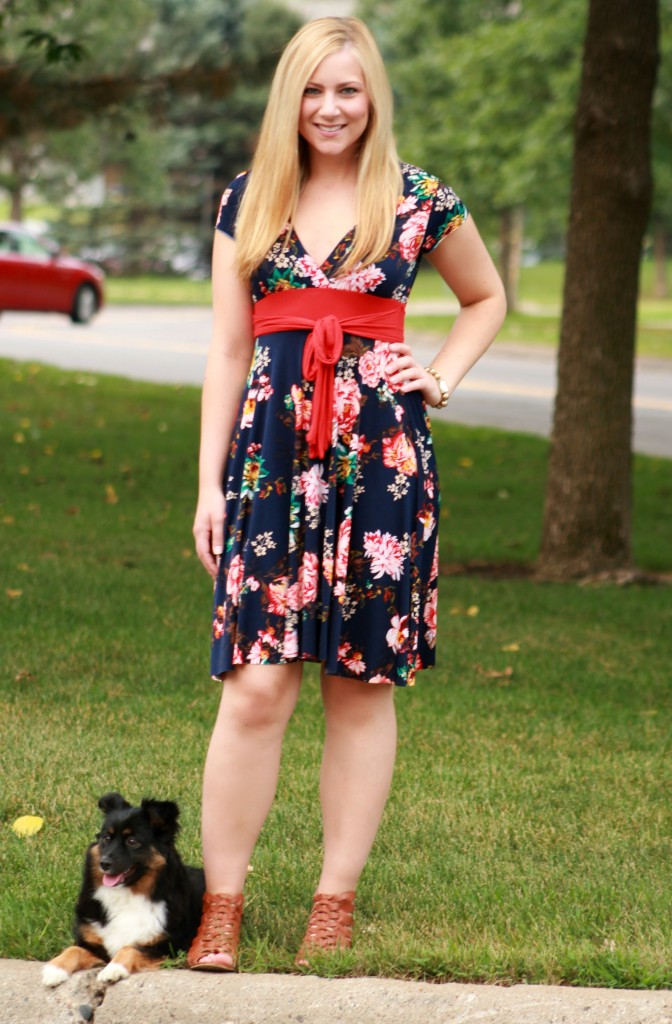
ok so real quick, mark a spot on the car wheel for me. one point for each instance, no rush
(85, 304)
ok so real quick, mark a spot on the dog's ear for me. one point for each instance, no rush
(112, 802)
(162, 815)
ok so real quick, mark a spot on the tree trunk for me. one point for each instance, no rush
(511, 252)
(587, 514)
(660, 289)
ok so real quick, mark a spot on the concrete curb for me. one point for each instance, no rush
(181, 997)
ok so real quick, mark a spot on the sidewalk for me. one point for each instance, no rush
(183, 997)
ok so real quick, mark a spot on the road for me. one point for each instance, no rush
(511, 387)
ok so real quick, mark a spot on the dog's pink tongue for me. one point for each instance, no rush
(112, 880)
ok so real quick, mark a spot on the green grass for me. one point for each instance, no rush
(528, 835)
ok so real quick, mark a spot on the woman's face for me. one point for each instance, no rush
(335, 106)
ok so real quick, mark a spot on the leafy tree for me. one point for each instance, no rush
(588, 497)
(484, 96)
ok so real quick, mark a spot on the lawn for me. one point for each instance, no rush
(528, 836)
(537, 324)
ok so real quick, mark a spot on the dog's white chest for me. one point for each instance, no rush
(132, 918)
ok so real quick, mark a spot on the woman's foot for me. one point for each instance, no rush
(329, 927)
(215, 947)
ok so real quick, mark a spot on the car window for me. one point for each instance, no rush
(8, 242)
(29, 246)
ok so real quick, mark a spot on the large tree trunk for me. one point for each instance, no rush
(588, 494)
(660, 289)
(511, 252)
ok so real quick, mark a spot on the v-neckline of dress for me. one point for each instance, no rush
(320, 266)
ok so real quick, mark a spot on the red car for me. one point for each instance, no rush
(36, 276)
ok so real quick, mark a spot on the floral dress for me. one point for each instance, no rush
(336, 559)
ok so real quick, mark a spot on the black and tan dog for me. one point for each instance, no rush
(138, 902)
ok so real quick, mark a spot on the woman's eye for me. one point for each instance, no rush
(310, 90)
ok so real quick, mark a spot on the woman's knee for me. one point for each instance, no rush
(261, 696)
(355, 701)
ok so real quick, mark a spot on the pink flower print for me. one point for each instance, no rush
(381, 679)
(411, 237)
(237, 655)
(307, 267)
(248, 409)
(346, 403)
(302, 407)
(355, 663)
(265, 390)
(399, 454)
(370, 369)
(385, 553)
(304, 590)
(257, 655)
(328, 568)
(295, 596)
(361, 279)
(343, 549)
(397, 634)
(429, 615)
(251, 583)
(290, 645)
(234, 579)
(277, 596)
(313, 487)
(218, 622)
(311, 573)
(406, 204)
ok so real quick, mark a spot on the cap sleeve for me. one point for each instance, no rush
(447, 214)
(228, 208)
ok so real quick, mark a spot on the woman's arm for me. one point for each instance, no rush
(226, 371)
(465, 265)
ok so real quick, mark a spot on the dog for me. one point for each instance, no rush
(138, 903)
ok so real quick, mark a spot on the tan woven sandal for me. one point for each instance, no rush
(329, 927)
(218, 933)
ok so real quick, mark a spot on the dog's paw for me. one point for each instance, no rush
(113, 972)
(53, 975)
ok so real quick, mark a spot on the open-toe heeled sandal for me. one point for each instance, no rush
(218, 934)
(329, 926)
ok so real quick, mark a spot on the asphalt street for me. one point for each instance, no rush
(512, 387)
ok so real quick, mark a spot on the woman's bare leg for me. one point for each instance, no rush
(357, 767)
(241, 769)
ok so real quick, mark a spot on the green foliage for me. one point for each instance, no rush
(527, 837)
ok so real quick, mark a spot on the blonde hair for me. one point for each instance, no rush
(280, 164)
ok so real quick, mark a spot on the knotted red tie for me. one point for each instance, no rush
(326, 313)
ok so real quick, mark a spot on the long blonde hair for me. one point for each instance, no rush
(280, 164)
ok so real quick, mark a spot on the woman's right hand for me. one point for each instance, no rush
(209, 529)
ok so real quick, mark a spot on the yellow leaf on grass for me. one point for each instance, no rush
(19, 438)
(8, 520)
(13, 593)
(473, 611)
(465, 462)
(111, 497)
(510, 647)
(493, 673)
(28, 825)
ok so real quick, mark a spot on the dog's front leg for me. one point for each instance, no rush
(128, 961)
(74, 958)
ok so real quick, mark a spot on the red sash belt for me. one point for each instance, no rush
(326, 313)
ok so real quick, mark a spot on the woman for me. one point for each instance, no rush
(318, 500)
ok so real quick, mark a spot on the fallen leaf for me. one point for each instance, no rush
(8, 520)
(510, 647)
(24, 471)
(96, 455)
(27, 825)
(473, 611)
(13, 594)
(111, 497)
(465, 462)
(19, 438)
(493, 673)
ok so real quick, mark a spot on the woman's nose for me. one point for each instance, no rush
(329, 103)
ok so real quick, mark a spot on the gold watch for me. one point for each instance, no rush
(443, 388)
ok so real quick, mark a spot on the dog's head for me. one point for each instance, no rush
(133, 840)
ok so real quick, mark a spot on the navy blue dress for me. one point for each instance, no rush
(333, 560)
